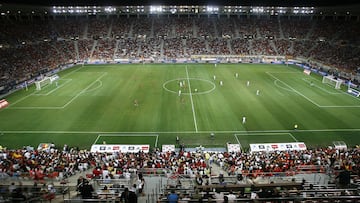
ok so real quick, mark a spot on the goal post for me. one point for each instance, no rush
(333, 81)
(45, 81)
(53, 78)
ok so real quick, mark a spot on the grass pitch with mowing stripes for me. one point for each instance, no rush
(100, 99)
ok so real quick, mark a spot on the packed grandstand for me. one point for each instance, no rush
(331, 41)
(35, 44)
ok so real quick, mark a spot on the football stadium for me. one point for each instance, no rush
(172, 102)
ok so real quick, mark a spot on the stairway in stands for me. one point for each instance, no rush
(154, 186)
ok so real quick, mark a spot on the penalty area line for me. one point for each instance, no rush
(291, 135)
(97, 138)
(237, 139)
(269, 133)
(84, 90)
(156, 141)
(129, 135)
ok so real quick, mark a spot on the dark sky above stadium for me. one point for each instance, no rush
(185, 2)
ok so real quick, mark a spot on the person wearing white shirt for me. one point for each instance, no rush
(231, 197)
(218, 196)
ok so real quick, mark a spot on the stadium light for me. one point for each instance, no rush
(257, 10)
(156, 9)
(212, 9)
(109, 9)
(173, 10)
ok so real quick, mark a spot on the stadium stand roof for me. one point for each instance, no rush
(186, 2)
(37, 8)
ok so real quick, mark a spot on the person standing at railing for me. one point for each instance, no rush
(218, 196)
(128, 196)
(173, 197)
(86, 190)
(141, 185)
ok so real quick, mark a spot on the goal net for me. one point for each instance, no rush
(333, 81)
(45, 81)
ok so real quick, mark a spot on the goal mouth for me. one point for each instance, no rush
(332, 81)
(46, 81)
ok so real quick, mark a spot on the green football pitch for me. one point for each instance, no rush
(142, 104)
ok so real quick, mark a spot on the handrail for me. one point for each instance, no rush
(279, 199)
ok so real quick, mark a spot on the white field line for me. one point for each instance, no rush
(65, 105)
(237, 139)
(293, 137)
(66, 81)
(35, 91)
(191, 99)
(179, 132)
(321, 88)
(348, 106)
(126, 134)
(299, 93)
(284, 88)
(37, 107)
(97, 138)
(197, 93)
(72, 71)
(266, 133)
(95, 88)
(17, 101)
(82, 91)
(310, 100)
(288, 72)
(357, 98)
(156, 141)
(339, 92)
(129, 135)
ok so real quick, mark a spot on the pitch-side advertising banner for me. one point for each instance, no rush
(268, 147)
(108, 148)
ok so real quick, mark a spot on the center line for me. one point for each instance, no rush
(192, 103)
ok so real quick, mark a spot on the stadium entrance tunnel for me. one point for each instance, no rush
(188, 86)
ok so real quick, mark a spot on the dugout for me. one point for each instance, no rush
(341, 145)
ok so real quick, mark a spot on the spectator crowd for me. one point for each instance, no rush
(32, 47)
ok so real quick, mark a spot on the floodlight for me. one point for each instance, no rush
(173, 10)
(211, 9)
(156, 9)
(258, 9)
(109, 9)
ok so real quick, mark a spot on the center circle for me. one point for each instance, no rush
(197, 85)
